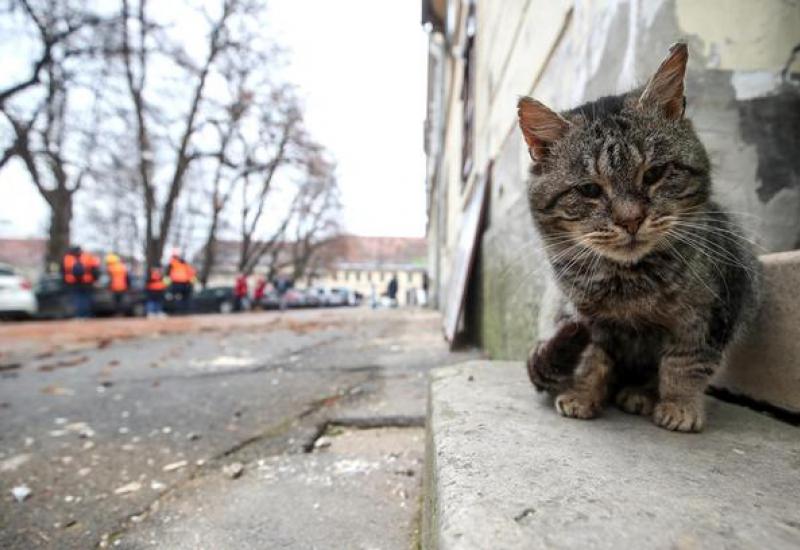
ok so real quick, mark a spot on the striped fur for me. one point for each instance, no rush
(661, 278)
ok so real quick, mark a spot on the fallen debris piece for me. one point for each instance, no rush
(21, 492)
(234, 470)
(131, 487)
(83, 430)
(54, 389)
(157, 485)
(65, 363)
(175, 465)
(104, 343)
(322, 442)
(193, 436)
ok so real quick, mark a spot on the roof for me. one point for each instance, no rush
(354, 250)
(343, 252)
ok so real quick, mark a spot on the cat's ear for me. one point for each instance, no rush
(664, 91)
(540, 126)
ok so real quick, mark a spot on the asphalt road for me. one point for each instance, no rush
(262, 430)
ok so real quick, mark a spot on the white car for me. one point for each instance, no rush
(16, 294)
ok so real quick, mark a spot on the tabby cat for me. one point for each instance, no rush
(659, 278)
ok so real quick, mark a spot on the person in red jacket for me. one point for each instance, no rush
(258, 293)
(240, 292)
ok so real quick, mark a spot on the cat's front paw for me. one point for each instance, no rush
(635, 400)
(577, 405)
(679, 416)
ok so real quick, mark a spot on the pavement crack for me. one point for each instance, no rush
(363, 423)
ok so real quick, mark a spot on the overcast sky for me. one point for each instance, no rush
(361, 68)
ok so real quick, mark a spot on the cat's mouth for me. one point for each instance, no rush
(628, 251)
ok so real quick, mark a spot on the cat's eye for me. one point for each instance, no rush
(654, 174)
(590, 190)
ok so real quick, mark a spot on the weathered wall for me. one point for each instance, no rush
(743, 92)
(742, 97)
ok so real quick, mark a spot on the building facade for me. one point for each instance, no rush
(743, 93)
(361, 264)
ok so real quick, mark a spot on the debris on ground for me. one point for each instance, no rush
(64, 363)
(54, 389)
(21, 492)
(131, 487)
(233, 470)
(322, 442)
(175, 465)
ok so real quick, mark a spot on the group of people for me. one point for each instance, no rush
(241, 292)
(81, 270)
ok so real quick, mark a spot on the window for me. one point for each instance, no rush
(409, 276)
(358, 275)
(468, 96)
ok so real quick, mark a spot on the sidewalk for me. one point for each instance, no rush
(504, 471)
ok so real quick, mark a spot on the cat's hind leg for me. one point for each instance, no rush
(637, 399)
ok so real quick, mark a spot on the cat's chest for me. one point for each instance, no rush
(642, 294)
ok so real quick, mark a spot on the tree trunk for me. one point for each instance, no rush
(210, 249)
(60, 202)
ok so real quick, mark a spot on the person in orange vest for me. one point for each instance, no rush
(118, 281)
(79, 271)
(155, 293)
(182, 277)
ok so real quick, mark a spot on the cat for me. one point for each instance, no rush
(658, 276)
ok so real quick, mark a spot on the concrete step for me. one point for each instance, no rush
(765, 366)
(504, 471)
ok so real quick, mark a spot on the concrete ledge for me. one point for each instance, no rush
(505, 472)
(765, 366)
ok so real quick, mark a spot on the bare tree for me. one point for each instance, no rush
(141, 42)
(282, 142)
(316, 218)
(54, 139)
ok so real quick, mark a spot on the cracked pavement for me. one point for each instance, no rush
(262, 430)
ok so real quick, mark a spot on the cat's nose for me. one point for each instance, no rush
(629, 215)
(631, 225)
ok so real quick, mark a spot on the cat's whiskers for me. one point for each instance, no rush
(713, 251)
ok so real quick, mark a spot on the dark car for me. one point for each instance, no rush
(55, 298)
(219, 299)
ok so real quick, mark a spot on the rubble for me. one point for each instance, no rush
(233, 470)
(131, 487)
(21, 492)
(175, 465)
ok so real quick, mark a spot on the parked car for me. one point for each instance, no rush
(296, 298)
(317, 297)
(55, 298)
(215, 299)
(17, 299)
(345, 297)
(271, 300)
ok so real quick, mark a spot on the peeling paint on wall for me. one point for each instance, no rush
(742, 36)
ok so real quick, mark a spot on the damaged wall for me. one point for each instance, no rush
(743, 92)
